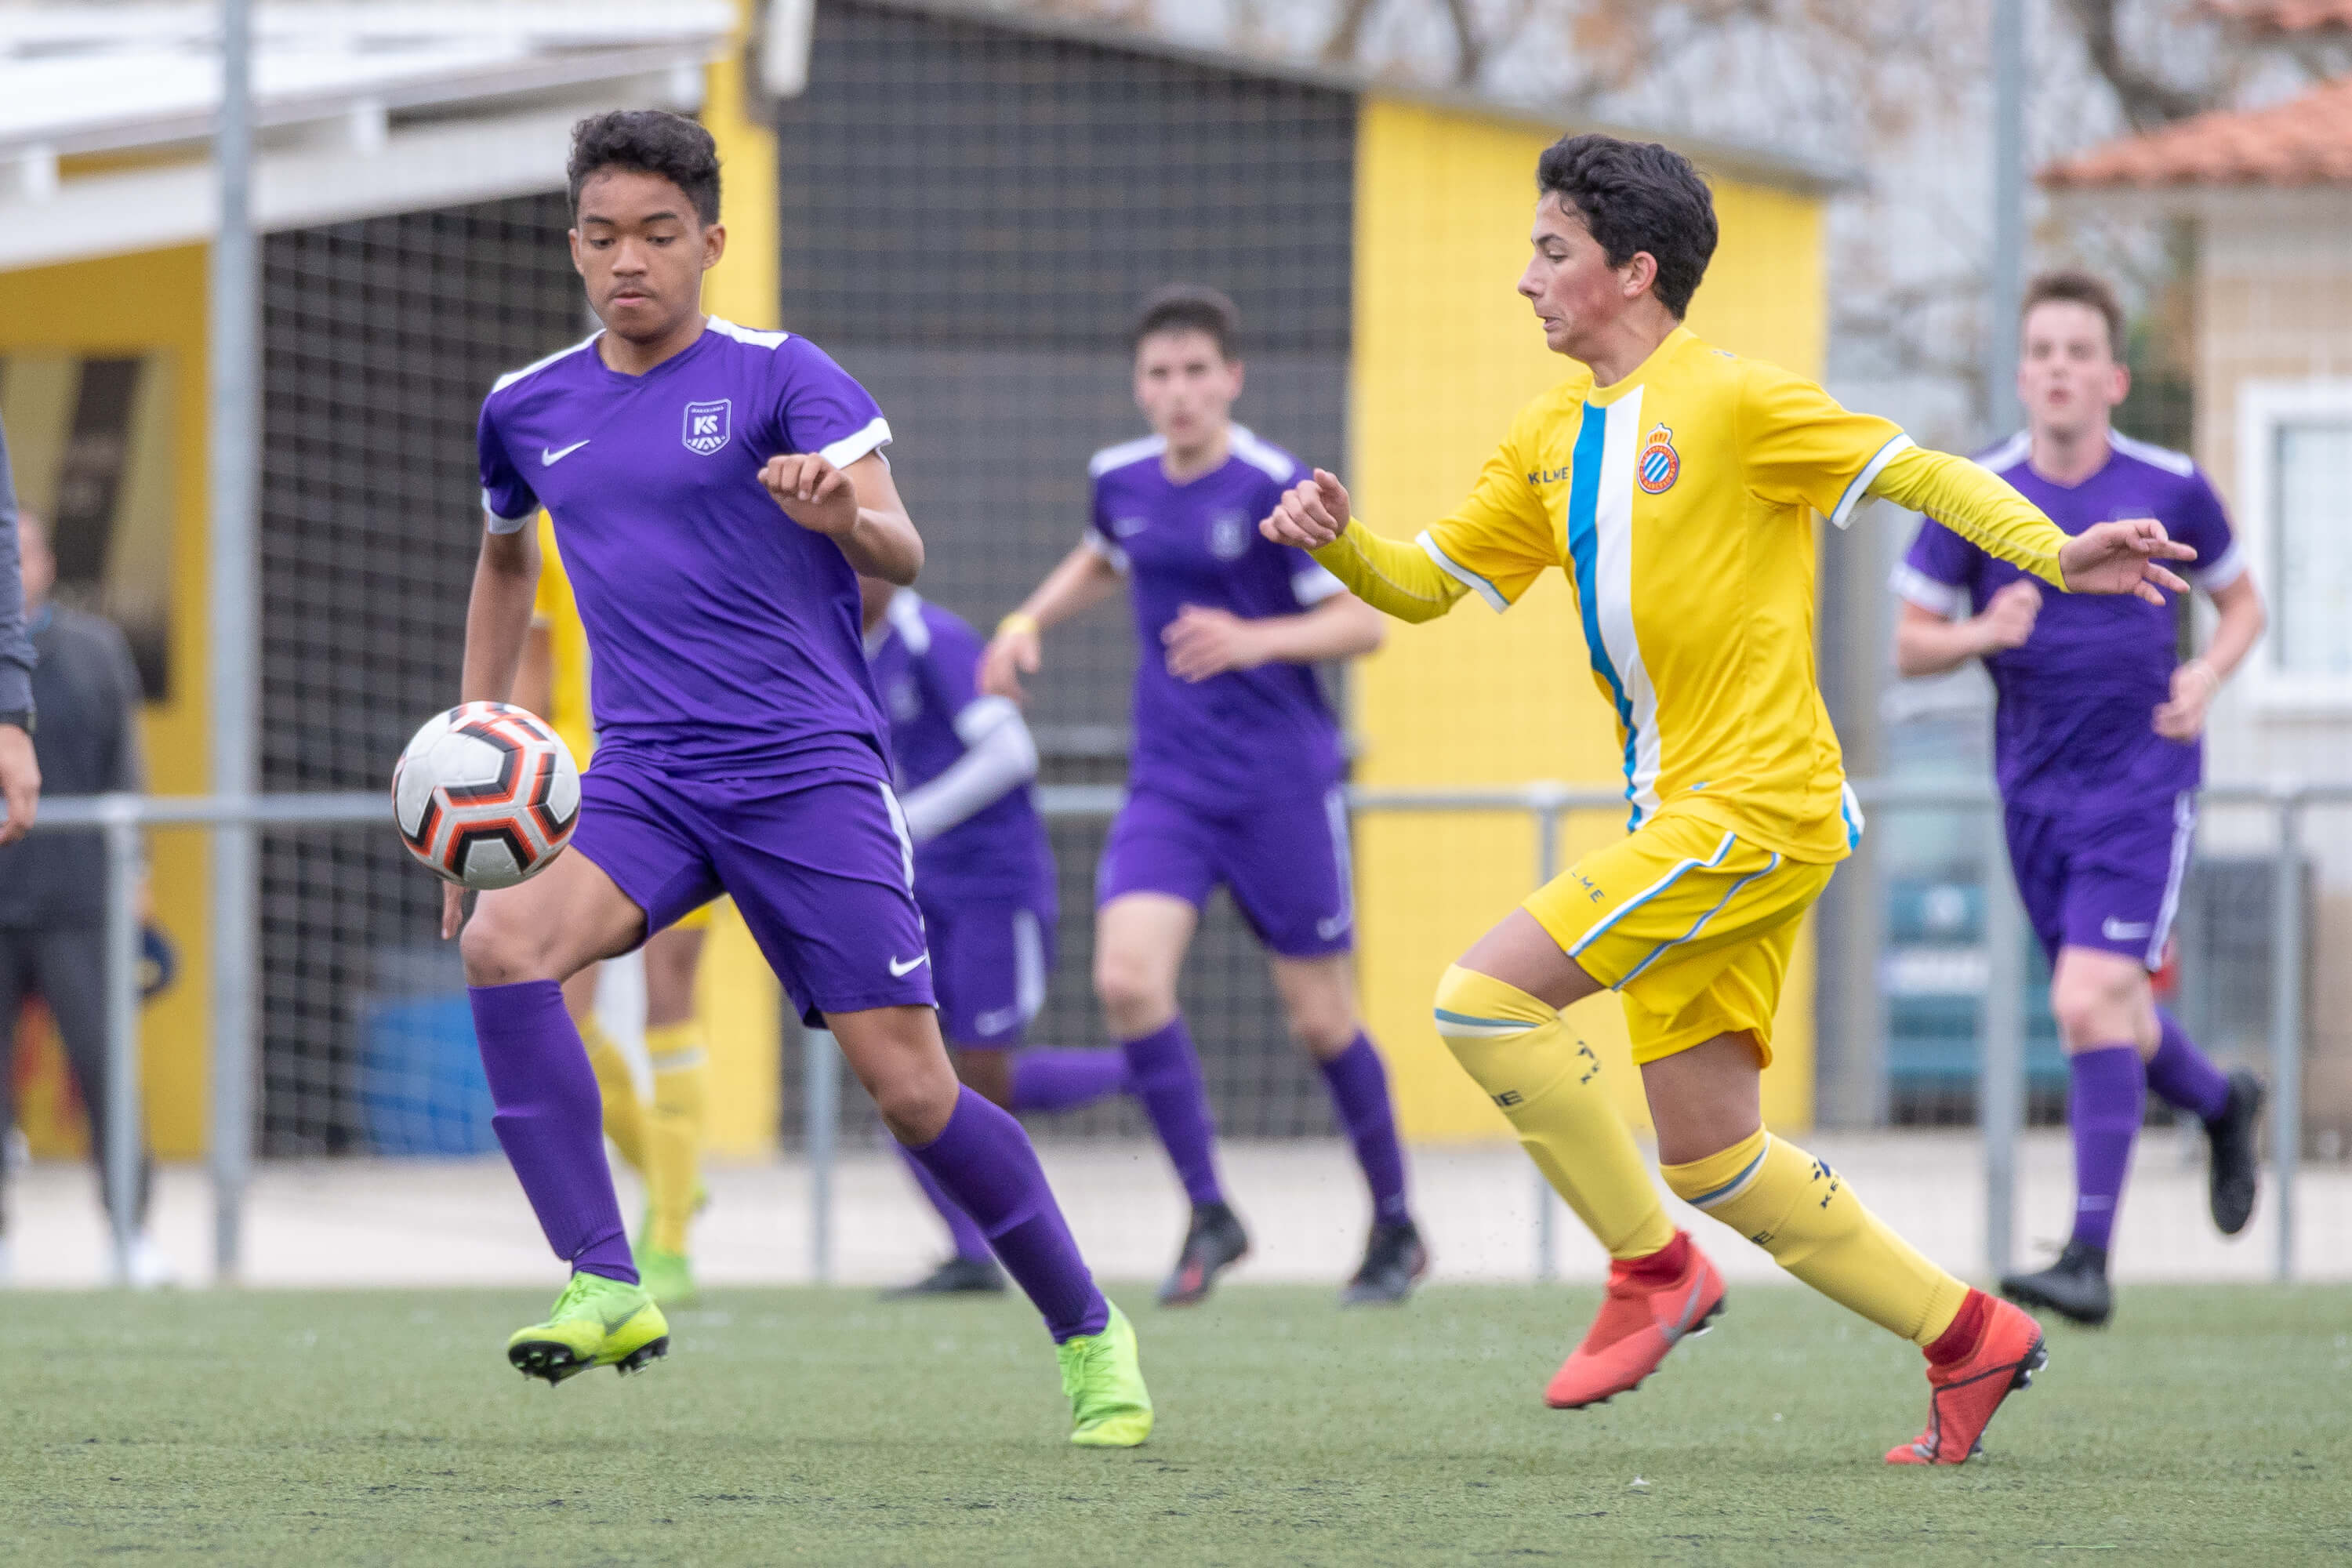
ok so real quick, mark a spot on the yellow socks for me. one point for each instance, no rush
(1547, 1082)
(1799, 1210)
(674, 1132)
(624, 1121)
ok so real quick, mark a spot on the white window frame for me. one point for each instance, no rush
(2264, 406)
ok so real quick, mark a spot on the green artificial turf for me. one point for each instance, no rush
(804, 1426)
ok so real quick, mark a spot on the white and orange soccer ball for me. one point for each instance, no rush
(486, 794)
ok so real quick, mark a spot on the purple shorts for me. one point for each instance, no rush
(990, 958)
(822, 870)
(2109, 880)
(1286, 864)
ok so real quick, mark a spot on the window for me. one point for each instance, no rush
(2294, 457)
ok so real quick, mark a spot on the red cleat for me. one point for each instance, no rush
(2003, 1353)
(1640, 1320)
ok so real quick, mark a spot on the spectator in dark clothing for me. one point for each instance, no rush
(53, 886)
(20, 776)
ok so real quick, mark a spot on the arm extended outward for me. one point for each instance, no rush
(1394, 576)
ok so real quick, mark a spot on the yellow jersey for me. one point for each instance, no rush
(568, 712)
(1679, 502)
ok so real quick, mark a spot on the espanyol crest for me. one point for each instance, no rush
(706, 426)
(1659, 462)
(1229, 536)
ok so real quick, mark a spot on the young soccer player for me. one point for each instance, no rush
(984, 880)
(661, 1139)
(2098, 752)
(1671, 482)
(716, 491)
(1236, 774)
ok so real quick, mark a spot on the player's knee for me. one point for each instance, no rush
(914, 1106)
(1325, 1028)
(1475, 1011)
(2095, 1009)
(498, 950)
(1137, 997)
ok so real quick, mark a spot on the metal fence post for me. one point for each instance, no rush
(2287, 938)
(820, 1134)
(1548, 800)
(2001, 1064)
(125, 1126)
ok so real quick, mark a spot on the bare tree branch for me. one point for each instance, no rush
(2146, 100)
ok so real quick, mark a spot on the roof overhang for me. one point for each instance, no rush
(361, 109)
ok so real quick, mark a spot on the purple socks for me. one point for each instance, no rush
(983, 1162)
(1360, 1093)
(2106, 1100)
(550, 1119)
(2182, 1076)
(1047, 1077)
(1165, 1075)
(969, 1244)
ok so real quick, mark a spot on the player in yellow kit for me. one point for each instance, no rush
(1676, 486)
(662, 1138)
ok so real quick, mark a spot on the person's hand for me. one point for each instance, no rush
(453, 909)
(2007, 620)
(20, 783)
(1311, 513)
(2194, 685)
(1011, 653)
(2123, 557)
(1203, 642)
(813, 492)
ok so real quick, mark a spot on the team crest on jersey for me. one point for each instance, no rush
(1229, 536)
(1659, 464)
(706, 426)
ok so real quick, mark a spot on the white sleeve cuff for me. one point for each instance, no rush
(1854, 492)
(496, 523)
(862, 444)
(1314, 585)
(1462, 575)
(1106, 549)
(2228, 569)
(1915, 586)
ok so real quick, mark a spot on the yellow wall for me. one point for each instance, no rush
(741, 1004)
(1446, 352)
(154, 303)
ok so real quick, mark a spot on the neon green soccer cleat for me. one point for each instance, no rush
(1110, 1406)
(668, 1277)
(596, 1322)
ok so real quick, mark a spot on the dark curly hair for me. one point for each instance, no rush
(1187, 308)
(649, 142)
(1637, 196)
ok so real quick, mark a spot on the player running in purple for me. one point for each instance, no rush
(984, 880)
(714, 491)
(2097, 745)
(1236, 773)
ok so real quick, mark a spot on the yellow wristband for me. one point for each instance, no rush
(1017, 622)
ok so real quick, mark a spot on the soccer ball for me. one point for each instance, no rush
(486, 794)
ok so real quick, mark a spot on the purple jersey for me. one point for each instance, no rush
(725, 636)
(926, 664)
(1245, 734)
(2074, 722)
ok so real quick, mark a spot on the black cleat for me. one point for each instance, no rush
(2074, 1287)
(2235, 1169)
(1394, 1259)
(956, 1277)
(1214, 1243)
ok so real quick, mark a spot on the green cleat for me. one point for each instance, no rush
(1110, 1406)
(596, 1322)
(668, 1277)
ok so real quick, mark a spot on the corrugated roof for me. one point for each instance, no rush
(2306, 141)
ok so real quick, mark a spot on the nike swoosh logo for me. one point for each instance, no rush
(901, 968)
(996, 1022)
(548, 460)
(2122, 931)
(1329, 929)
(615, 1325)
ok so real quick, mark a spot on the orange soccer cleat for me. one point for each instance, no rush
(1990, 1349)
(1654, 1303)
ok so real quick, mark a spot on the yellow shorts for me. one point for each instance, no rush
(1691, 926)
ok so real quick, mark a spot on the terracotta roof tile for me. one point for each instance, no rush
(2306, 141)
(2283, 16)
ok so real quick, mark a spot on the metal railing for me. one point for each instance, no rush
(121, 818)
